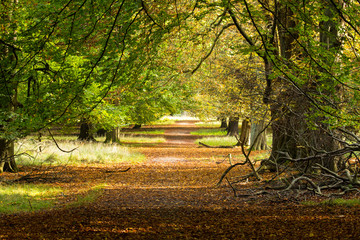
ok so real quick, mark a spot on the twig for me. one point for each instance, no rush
(234, 190)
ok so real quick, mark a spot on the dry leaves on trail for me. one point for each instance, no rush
(173, 196)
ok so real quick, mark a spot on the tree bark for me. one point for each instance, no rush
(224, 123)
(113, 136)
(245, 132)
(258, 136)
(7, 158)
(233, 128)
(291, 134)
(86, 133)
(8, 99)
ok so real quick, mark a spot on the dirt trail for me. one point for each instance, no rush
(173, 196)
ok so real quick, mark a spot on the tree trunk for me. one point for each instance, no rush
(258, 136)
(7, 158)
(8, 98)
(86, 133)
(293, 138)
(245, 132)
(224, 123)
(113, 136)
(233, 128)
(291, 134)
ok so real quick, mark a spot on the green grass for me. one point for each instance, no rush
(85, 153)
(218, 141)
(334, 202)
(90, 196)
(26, 198)
(164, 121)
(208, 124)
(123, 137)
(212, 132)
(149, 132)
(138, 139)
(17, 198)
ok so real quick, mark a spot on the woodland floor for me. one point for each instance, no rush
(173, 195)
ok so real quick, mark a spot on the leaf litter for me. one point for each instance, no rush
(173, 195)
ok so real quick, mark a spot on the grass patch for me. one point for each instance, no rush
(218, 141)
(164, 121)
(149, 132)
(89, 197)
(46, 152)
(123, 137)
(211, 132)
(17, 198)
(334, 202)
(26, 198)
(137, 139)
(208, 124)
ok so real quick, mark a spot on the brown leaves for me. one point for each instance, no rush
(176, 200)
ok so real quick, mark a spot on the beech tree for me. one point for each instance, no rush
(308, 50)
(54, 52)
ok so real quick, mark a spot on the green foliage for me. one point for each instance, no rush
(132, 62)
(64, 57)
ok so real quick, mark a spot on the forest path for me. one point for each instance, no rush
(173, 195)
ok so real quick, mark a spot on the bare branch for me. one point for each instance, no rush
(57, 145)
(228, 170)
(316, 188)
(147, 14)
(211, 49)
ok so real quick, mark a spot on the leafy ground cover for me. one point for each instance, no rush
(171, 195)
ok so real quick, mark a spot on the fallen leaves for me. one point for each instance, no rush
(176, 200)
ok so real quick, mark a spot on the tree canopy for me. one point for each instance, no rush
(138, 60)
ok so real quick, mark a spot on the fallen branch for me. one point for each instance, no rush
(112, 171)
(228, 170)
(334, 174)
(208, 146)
(316, 188)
